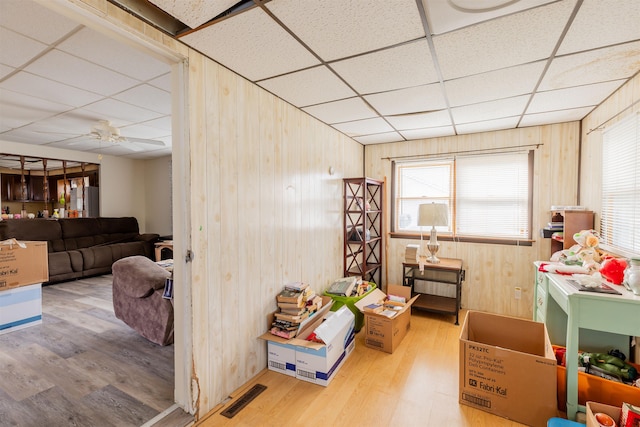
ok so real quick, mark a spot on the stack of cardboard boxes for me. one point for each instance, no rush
(23, 269)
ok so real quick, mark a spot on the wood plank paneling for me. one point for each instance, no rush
(493, 271)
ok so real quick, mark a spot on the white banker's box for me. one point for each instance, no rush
(313, 361)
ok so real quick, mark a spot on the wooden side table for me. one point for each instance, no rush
(166, 244)
(448, 271)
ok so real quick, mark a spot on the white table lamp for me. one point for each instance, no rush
(434, 215)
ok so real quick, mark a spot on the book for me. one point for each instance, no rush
(297, 311)
(291, 305)
(342, 286)
(284, 334)
(389, 313)
(288, 295)
(373, 308)
(291, 317)
(296, 286)
(629, 415)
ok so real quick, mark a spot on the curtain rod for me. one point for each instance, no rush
(478, 151)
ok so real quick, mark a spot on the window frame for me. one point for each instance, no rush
(451, 235)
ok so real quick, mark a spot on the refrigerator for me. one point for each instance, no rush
(91, 202)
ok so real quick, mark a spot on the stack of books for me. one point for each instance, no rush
(296, 303)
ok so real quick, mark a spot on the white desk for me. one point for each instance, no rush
(617, 314)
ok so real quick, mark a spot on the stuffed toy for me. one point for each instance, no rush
(584, 253)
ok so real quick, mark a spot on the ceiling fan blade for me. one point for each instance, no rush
(145, 141)
(132, 147)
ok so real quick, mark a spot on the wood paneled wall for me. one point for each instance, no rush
(264, 208)
(494, 271)
(265, 211)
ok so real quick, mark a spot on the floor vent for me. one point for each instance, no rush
(244, 400)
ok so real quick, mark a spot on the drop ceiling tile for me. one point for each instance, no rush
(143, 131)
(253, 45)
(119, 113)
(148, 97)
(18, 135)
(379, 138)
(336, 28)
(17, 109)
(31, 84)
(364, 127)
(428, 132)
(308, 87)
(16, 50)
(488, 125)
(503, 42)
(346, 110)
(595, 66)
(410, 100)
(420, 120)
(194, 12)
(76, 72)
(602, 23)
(163, 122)
(163, 82)
(112, 54)
(445, 16)
(574, 97)
(399, 67)
(503, 83)
(563, 116)
(5, 70)
(490, 110)
(35, 21)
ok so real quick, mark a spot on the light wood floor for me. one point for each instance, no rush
(417, 385)
(82, 366)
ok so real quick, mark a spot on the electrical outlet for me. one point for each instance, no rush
(518, 293)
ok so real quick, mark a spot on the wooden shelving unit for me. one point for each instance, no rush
(573, 222)
(363, 220)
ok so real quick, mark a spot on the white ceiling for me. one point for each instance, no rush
(376, 70)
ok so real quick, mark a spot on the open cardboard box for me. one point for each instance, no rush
(508, 368)
(313, 361)
(382, 332)
(595, 407)
(23, 263)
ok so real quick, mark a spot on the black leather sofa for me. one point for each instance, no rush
(82, 247)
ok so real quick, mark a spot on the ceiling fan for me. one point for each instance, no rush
(103, 131)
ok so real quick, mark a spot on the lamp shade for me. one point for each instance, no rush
(433, 214)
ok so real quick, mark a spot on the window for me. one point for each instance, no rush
(620, 218)
(488, 195)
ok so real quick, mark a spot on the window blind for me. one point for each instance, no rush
(620, 217)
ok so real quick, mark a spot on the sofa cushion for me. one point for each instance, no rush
(138, 276)
(30, 229)
(79, 227)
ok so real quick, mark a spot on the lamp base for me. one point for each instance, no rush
(433, 249)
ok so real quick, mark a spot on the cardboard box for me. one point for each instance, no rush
(597, 389)
(595, 407)
(382, 332)
(319, 365)
(313, 361)
(508, 368)
(20, 307)
(23, 263)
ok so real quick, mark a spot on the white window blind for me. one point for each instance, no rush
(488, 195)
(620, 217)
(493, 196)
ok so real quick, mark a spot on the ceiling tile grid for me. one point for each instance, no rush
(410, 100)
(365, 67)
(336, 29)
(403, 66)
(308, 87)
(611, 63)
(253, 45)
(602, 23)
(503, 42)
